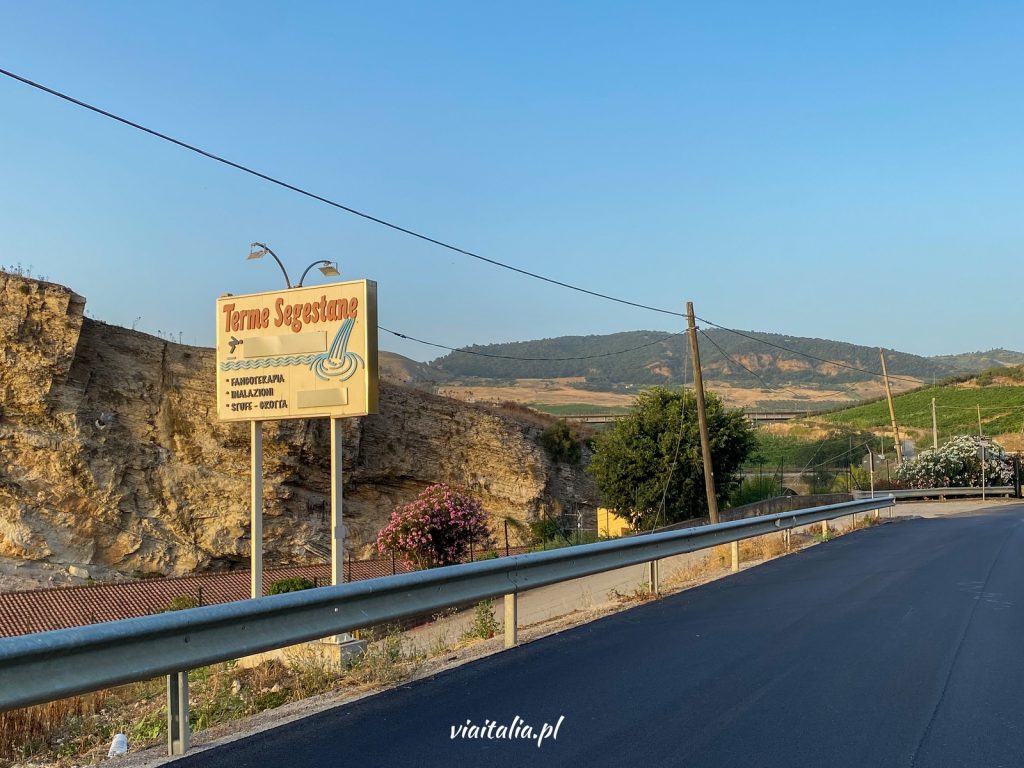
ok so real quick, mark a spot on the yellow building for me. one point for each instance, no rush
(610, 525)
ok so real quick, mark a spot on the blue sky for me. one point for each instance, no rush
(842, 170)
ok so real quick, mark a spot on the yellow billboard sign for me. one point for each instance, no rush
(298, 353)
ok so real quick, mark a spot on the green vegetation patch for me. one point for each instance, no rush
(839, 448)
(1002, 411)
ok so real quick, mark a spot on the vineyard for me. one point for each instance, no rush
(1002, 411)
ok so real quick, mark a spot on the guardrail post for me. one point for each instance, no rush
(735, 555)
(179, 734)
(511, 620)
(824, 530)
(653, 577)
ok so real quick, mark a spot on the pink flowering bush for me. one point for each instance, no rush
(436, 529)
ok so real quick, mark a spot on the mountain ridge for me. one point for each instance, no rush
(749, 358)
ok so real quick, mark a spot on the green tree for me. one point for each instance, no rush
(294, 584)
(633, 459)
(561, 443)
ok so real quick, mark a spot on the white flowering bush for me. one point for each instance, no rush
(438, 528)
(956, 465)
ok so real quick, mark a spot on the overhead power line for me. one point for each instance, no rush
(757, 376)
(829, 461)
(805, 354)
(983, 407)
(328, 201)
(406, 230)
(529, 359)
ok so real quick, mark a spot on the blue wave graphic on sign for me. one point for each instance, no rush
(336, 363)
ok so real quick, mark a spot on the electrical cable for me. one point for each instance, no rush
(529, 359)
(729, 357)
(406, 230)
(984, 407)
(814, 455)
(805, 354)
(828, 461)
(328, 201)
(679, 441)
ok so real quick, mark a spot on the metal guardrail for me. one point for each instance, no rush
(50, 665)
(931, 493)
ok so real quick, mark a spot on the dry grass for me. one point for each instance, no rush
(76, 727)
(759, 548)
(641, 594)
(25, 732)
(547, 391)
(568, 391)
(79, 730)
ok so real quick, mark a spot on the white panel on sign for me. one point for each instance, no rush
(319, 398)
(300, 344)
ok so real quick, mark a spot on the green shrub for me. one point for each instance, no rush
(181, 603)
(561, 443)
(484, 625)
(821, 480)
(753, 489)
(294, 584)
(545, 529)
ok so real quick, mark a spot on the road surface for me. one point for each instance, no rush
(901, 645)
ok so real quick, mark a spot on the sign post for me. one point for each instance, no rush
(256, 507)
(982, 446)
(337, 526)
(300, 353)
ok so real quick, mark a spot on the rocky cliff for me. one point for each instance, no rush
(110, 454)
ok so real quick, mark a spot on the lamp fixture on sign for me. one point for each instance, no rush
(327, 268)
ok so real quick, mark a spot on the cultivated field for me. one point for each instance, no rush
(565, 396)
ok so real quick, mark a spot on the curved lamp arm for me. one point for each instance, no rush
(324, 262)
(283, 270)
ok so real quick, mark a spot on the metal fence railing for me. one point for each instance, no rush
(939, 493)
(46, 666)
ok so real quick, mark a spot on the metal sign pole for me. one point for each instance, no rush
(349, 647)
(337, 527)
(984, 445)
(256, 507)
(871, 470)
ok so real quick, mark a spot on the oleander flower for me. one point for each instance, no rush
(438, 528)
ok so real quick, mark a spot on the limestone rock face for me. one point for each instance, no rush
(111, 455)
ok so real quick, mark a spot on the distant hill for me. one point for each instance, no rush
(403, 370)
(656, 358)
(980, 361)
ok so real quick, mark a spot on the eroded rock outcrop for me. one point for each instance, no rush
(110, 453)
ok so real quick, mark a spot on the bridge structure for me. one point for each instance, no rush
(754, 416)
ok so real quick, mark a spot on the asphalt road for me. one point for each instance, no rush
(901, 645)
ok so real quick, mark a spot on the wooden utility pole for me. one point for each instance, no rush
(892, 409)
(935, 428)
(702, 418)
(980, 432)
